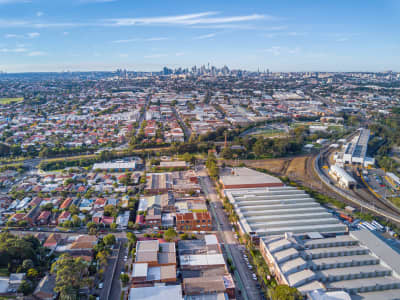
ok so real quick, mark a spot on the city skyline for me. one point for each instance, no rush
(103, 35)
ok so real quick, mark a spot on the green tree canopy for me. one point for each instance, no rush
(109, 239)
(170, 234)
(284, 292)
(71, 275)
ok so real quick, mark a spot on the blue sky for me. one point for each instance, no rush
(285, 35)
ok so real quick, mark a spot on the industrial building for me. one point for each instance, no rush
(276, 210)
(393, 179)
(360, 264)
(240, 178)
(117, 166)
(356, 150)
(170, 292)
(342, 177)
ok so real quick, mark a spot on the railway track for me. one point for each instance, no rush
(358, 201)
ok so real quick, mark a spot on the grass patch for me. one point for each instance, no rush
(270, 133)
(395, 201)
(4, 272)
(10, 100)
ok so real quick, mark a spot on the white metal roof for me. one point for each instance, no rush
(170, 292)
(139, 270)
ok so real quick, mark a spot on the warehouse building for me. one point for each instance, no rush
(117, 166)
(356, 150)
(240, 178)
(276, 210)
(360, 263)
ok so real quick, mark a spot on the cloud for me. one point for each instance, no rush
(284, 34)
(4, 23)
(96, 1)
(36, 53)
(277, 50)
(152, 39)
(191, 20)
(188, 19)
(206, 36)
(65, 33)
(179, 53)
(13, 1)
(13, 50)
(33, 35)
(39, 13)
(12, 36)
(155, 55)
(30, 35)
(343, 39)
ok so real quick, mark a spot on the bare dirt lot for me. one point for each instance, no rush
(290, 166)
(299, 168)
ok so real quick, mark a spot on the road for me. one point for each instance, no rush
(120, 267)
(185, 128)
(246, 283)
(143, 114)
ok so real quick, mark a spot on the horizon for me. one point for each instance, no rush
(188, 68)
(105, 35)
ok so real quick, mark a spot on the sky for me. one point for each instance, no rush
(282, 36)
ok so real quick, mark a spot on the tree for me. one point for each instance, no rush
(76, 221)
(109, 239)
(284, 292)
(26, 287)
(110, 210)
(47, 206)
(32, 273)
(113, 226)
(27, 264)
(91, 225)
(71, 275)
(124, 279)
(102, 258)
(227, 153)
(184, 236)
(93, 231)
(259, 147)
(170, 234)
(73, 209)
(131, 237)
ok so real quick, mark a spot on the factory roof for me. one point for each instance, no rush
(276, 210)
(139, 270)
(170, 292)
(379, 248)
(246, 176)
(354, 263)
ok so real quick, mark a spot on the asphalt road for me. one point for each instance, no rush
(186, 129)
(116, 283)
(247, 285)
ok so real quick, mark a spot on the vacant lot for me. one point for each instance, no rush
(297, 168)
(10, 100)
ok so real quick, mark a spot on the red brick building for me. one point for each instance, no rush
(198, 221)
